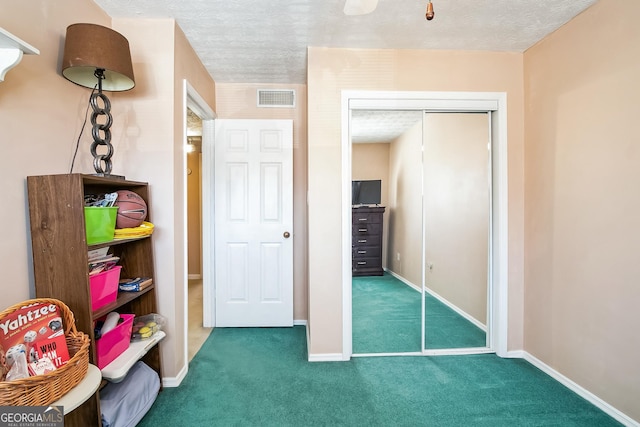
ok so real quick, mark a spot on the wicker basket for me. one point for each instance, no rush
(42, 390)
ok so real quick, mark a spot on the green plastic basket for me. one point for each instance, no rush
(100, 224)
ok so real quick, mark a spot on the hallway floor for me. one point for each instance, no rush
(197, 333)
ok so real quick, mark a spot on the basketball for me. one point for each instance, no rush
(132, 209)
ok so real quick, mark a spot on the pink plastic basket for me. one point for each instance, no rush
(104, 287)
(115, 342)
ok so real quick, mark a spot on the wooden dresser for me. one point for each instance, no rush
(366, 241)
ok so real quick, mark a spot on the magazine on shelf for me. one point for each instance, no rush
(101, 260)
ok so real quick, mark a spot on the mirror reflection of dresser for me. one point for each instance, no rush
(366, 243)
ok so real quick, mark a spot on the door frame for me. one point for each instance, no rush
(496, 103)
(196, 103)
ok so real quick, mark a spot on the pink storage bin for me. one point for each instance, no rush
(115, 342)
(104, 287)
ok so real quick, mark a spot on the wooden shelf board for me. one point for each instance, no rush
(116, 242)
(123, 298)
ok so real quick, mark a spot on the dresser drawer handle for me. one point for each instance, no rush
(362, 230)
(362, 252)
(362, 241)
(362, 262)
(362, 219)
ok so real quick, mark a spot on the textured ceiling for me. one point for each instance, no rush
(367, 126)
(265, 41)
(373, 126)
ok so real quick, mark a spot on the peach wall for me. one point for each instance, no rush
(332, 70)
(238, 101)
(41, 114)
(581, 210)
(187, 66)
(371, 161)
(456, 209)
(405, 206)
(153, 143)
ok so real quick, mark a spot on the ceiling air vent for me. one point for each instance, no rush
(284, 98)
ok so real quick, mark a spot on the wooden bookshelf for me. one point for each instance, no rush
(60, 262)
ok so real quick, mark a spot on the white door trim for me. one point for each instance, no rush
(208, 230)
(436, 101)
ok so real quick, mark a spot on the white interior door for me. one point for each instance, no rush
(254, 223)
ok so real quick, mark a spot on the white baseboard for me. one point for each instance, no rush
(177, 380)
(403, 280)
(322, 357)
(515, 354)
(300, 322)
(443, 300)
(325, 357)
(306, 330)
(578, 389)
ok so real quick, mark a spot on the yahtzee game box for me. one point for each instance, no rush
(36, 330)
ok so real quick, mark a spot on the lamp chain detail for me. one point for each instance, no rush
(101, 130)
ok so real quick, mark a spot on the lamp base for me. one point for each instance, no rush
(109, 175)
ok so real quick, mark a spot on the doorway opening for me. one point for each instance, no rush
(198, 333)
(198, 122)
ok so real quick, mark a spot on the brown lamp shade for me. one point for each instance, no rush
(89, 47)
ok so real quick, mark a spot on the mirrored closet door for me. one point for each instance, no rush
(435, 172)
(387, 309)
(456, 218)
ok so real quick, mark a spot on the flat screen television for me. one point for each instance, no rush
(366, 192)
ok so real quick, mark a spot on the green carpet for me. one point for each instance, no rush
(385, 315)
(261, 377)
(447, 329)
(386, 319)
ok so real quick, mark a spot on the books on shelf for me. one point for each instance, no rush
(98, 253)
(101, 260)
(135, 285)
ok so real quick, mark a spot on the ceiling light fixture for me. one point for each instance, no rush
(190, 147)
(98, 56)
(430, 13)
(359, 7)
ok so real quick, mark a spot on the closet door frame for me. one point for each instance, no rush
(496, 104)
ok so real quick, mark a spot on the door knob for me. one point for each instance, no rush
(286, 234)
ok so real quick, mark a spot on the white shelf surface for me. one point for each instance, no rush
(117, 370)
(82, 391)
(11, 51)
